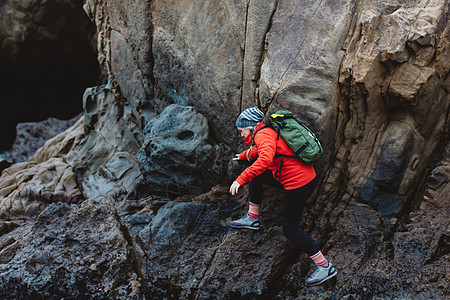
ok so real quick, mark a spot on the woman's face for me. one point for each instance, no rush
(244, 131)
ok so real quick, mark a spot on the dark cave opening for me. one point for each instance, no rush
(45, 71)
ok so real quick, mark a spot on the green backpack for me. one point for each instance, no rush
(297, 136)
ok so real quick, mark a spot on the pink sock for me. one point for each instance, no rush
(253, 210)
(319, 259)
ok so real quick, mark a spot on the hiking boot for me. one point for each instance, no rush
(321, 274)
(245, 222)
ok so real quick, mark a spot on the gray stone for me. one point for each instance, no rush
(176, 154)
(201, 35)
(382, 189)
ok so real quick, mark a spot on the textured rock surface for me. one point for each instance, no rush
(376, 109)
(176, 157)
(26, 188)
(69, 249)
(303, 56)
(371, 77)
(87, 161)
(200, 35)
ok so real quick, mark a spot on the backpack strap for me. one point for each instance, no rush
(300, 150)
(278, 173)
(279, 126)
(277, 154)
(265, 126)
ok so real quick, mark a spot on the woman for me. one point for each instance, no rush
(297, 179)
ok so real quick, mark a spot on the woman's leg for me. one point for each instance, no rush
(293, 203)
(251, 220)
(256, 188)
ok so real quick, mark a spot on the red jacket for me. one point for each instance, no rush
(294, 173)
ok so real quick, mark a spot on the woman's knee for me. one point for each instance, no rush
(289, 231)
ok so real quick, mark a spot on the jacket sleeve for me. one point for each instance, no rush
(249, 154)
(265, 147)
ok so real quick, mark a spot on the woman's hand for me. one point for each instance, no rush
(236, 157)
(234, 188)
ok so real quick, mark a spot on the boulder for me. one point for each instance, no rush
(176, 157)
(187, 247)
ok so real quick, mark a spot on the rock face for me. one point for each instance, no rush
(371, 78)
(396, 87)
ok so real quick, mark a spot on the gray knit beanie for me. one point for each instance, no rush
(249, 117)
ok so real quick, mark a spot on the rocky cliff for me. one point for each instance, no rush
(132, 200)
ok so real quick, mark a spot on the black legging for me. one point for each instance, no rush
(293, 203)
